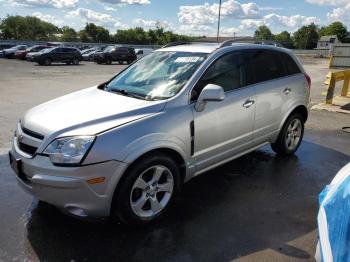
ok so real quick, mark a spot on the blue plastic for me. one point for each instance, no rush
(335, 204)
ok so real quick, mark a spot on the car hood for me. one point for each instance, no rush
(87, 112)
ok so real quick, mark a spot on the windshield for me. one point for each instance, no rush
(108, 49)
(159, 75)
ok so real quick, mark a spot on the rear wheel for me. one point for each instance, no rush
(290, 136)
(147, 191)
(108, 61)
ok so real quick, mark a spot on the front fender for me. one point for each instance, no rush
(151, 142)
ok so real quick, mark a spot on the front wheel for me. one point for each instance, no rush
(47, 61)
(147, 190)
(290, 136)
(75, 61)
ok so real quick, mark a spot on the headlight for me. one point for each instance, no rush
(69, 150)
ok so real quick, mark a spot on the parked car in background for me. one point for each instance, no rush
(124, 148)
(85, 51)
(21, 54)
(115, 53)
(10, 53)
(89, 56)
(68, 55)
(141, 52)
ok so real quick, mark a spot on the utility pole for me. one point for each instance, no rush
(217, 35)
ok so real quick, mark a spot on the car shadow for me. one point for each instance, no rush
(255, 202)
(58, 64)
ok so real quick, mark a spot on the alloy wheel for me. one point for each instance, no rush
(152, 191)
(294, 133)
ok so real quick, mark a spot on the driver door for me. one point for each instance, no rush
(224, 128)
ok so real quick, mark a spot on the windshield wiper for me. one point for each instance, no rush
(126, 93)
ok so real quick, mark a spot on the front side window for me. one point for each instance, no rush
(226, 72)
(159, 75)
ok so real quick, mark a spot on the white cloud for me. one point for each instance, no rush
(278, 22)
(48, 18)
(45, 3)
(250, 24)
(206, 30)
(91, 16)
(108, 8)
(340, 14)
(127, 2)
(328, 2)
(208, 13)
(293, 21)
(151, 23)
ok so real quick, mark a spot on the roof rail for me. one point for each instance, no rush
(175, 44)
(227, 43)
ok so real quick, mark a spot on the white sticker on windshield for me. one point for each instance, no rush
(187, 59)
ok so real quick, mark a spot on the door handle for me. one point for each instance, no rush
(287, 91)
(248, 103)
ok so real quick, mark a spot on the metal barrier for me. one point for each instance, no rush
(332, 78)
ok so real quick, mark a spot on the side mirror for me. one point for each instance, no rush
(210, 93)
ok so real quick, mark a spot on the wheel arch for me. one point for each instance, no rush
(170, 152)
(301, 109)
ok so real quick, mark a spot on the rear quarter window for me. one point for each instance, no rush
(290, 65)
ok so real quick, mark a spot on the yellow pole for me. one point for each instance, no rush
(330, 92)
(330, 61)
(344, 91)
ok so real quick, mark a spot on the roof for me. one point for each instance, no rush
(211, 47)
(327, 38)
(213, 39)
(199, 48)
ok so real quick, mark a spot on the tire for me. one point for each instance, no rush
(128, 61)
(75, 61)
(47, 61)
(108, 61)
(290, 137)
(152, 194)
(120, 62)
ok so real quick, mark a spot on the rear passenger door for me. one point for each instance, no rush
(224, 128)
(272, 90)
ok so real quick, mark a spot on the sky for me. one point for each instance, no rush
(194, 17)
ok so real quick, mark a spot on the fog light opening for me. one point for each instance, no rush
(76, 211)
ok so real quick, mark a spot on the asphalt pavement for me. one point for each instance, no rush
(259, 207)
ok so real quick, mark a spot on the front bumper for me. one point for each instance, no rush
(67, 187)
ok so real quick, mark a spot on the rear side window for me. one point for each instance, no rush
(262, 65)
(290, 66)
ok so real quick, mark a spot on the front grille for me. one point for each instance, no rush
(32, 133)
(27, 148)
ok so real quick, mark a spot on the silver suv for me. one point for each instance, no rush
(124, 148)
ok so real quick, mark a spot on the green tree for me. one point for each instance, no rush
(306, 37)
(284, 39)
(336, 28)
(263, 33)
(27, 28)
(68, 34)
(83, 36)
